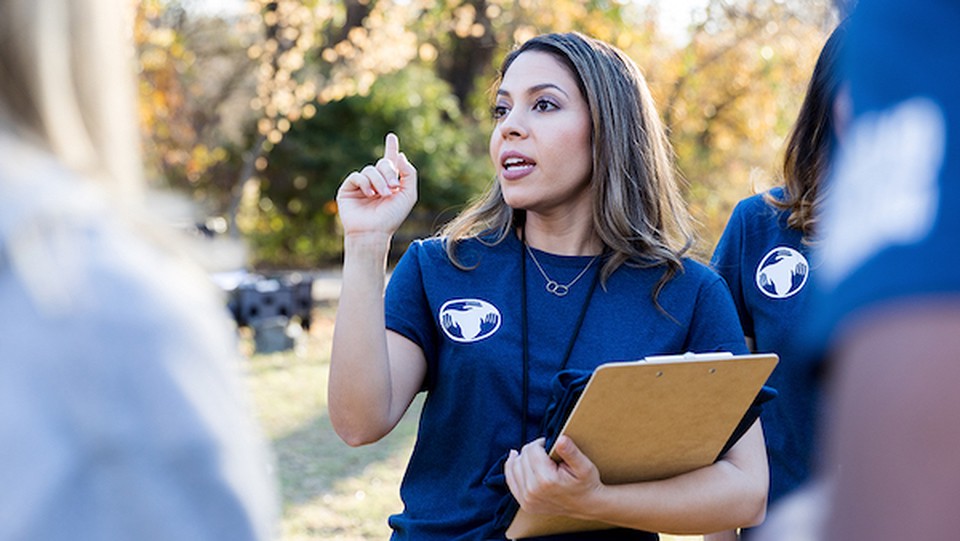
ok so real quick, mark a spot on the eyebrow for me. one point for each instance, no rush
(536, 88)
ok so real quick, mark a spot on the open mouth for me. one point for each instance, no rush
(517, 164)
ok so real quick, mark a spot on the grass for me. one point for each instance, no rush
(330, 491)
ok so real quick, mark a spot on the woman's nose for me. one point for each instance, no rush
(513, 125)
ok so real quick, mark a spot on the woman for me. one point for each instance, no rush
(571, 259)
(763, 255)
(123, 416)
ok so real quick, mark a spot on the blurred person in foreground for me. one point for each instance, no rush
(888, 314)
(764, 256)
(123, 415)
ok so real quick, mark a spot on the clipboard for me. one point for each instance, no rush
(653, 419)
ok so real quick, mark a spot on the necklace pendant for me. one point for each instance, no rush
(559, 290)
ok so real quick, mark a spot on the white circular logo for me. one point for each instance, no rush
(782, 272)
(469, 320)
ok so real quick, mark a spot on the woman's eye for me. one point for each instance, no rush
(499, 111)
(544, 105)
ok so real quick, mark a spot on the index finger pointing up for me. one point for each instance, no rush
(391, 150)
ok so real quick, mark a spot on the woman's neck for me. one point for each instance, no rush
(562, 235)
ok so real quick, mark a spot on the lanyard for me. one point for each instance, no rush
(525, 339)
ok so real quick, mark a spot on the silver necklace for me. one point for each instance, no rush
(553, 286)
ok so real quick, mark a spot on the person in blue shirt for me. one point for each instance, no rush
(889, 316)
(764, 256)
(572, 258)
(886, 309)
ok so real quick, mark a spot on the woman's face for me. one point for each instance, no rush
(541, 146)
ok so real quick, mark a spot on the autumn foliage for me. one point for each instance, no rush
(260, 112)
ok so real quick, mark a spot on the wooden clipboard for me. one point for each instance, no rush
(653, 419)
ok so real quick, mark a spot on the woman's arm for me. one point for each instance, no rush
(893, 431)
(729, 494)
(374, 373)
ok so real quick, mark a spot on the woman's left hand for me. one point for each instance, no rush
(542, 486)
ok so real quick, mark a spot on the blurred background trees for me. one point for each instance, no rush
(257, 109)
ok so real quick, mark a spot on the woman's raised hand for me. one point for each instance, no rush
(379, 197)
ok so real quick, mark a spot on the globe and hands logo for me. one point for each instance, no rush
(469, 320)
(782, 272)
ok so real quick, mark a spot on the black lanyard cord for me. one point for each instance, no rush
(524, 331)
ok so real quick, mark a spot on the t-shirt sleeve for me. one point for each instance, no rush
(715, 326)
(727, 261)
(407, 308)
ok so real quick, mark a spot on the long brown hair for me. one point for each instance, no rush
(639, 213)
(810, 144)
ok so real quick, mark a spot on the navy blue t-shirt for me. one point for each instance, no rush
(468, 323)
(892, 224)
(766, 265)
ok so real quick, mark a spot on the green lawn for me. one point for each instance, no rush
(330, 491)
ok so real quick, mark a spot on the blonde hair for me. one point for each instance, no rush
(639, 213)
(67, 86)
(67, 91)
